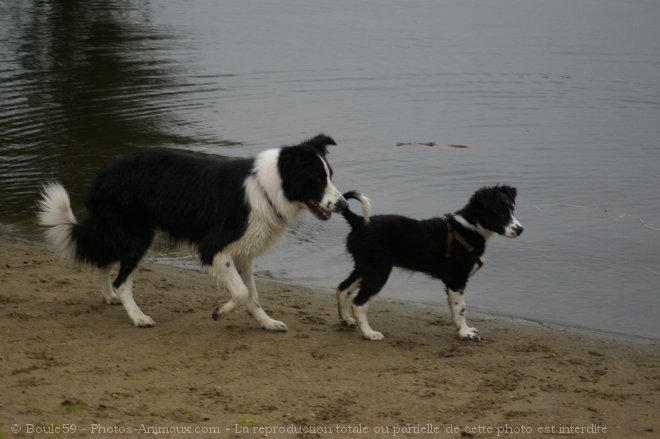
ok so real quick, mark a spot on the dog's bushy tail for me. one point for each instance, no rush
(353, 219)
(74, 242)
(55, 213)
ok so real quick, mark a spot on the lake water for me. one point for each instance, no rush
(560, 98)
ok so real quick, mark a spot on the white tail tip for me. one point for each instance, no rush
(366, 208)
(56, 214)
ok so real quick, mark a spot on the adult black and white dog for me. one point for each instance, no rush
(231, 210)
(448, 248)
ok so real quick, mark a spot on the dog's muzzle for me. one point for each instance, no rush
(514, 229)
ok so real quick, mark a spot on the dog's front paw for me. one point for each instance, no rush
(274, 325)
(468, 333)
(373, 335)
(143, 321)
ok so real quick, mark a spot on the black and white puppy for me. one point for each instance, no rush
(447, 248)
(231, 210)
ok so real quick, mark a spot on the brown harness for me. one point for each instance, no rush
(453, 234)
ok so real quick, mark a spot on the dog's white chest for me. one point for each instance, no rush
(260, 236)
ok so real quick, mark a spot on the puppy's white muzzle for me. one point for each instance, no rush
(513, 229)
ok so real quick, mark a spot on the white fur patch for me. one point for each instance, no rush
(225, 272)
(512, 230)
(235, 275)
(344, 302)
(125, 294)
(56, 214)
(487, 234)
(456, 301)
(332, 196)
(360, 313)
(366, 208)
(267, 175)
(270, 211)
(105, 281)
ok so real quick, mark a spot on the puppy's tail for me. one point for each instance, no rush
(353, 219)
(73, 241)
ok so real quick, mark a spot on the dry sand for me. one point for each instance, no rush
(71, 362)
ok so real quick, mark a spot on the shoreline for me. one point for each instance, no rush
(68, 358)
(440, 307)
(165, 260)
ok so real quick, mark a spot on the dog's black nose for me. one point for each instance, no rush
(341, 205)
(519, 230)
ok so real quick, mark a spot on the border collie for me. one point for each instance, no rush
(447, 248)
(231, 210)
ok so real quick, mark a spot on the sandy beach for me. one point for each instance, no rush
(75, 367)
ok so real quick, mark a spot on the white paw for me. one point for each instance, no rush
(373, 335)
(348, 321)
(468, 333)
(274, 325)
(143, 321)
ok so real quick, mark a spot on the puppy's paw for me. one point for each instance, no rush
(468, 333)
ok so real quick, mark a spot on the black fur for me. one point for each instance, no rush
(200, 200)
(186, 196)
(232, 211)
(353, 219)
(389, 241)
(303, 175)
(320, 143)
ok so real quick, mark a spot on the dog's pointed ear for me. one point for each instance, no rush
(509, 191)
(320, 143)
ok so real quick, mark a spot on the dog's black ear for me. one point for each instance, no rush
(509, 192)
(320, 143)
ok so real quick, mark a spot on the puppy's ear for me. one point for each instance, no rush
(509, 191)
(320, 143)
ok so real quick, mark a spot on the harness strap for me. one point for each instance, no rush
(453, 234)
(450, 236)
